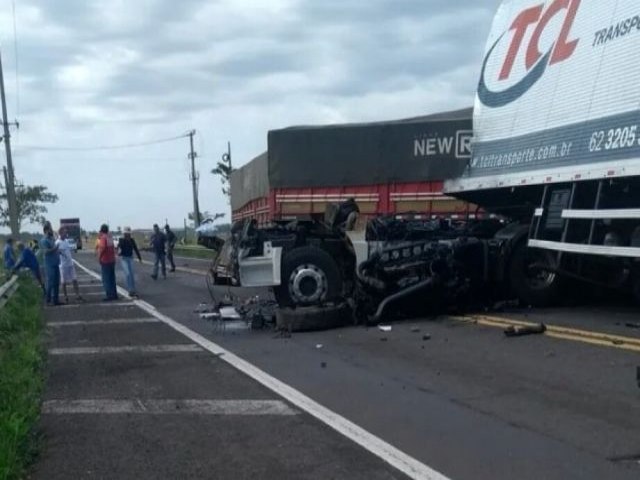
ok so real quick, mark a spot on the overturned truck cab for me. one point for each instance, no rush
(390, 266)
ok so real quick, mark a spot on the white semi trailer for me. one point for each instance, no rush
(557, 137)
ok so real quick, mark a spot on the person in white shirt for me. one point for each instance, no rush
(67, 268)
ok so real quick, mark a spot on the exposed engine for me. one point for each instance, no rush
(420, 275)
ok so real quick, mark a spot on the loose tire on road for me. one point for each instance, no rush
(308, 319)
(310, 276)
(540, 289)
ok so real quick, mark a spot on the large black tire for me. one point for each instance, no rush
(534, 287)
(309, 276)
(309, 319)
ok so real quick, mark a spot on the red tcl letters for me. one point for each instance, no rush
(563, 48)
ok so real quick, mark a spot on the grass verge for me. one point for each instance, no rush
(205, 253)
(21, 378)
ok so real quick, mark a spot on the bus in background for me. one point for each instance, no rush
(72, 225)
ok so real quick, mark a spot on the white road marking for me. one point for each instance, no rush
(126, 349)
(103, 304)
(115, 321)
(383, 450)
(169, 407)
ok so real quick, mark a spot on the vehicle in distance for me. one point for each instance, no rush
(72, 226)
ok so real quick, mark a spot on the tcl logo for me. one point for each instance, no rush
(535, 19)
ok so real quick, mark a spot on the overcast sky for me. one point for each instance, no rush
(109, 72)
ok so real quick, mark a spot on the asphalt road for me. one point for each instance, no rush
(458, 395)
(128, 397)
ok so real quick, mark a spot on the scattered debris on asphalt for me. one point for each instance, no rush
(384, 339)
(230, 313)
(256, 312)
(519, 331)
(385, 328)
(415, 329)
(323, 365)
(319, 346)
(632, 325)
(426, 337)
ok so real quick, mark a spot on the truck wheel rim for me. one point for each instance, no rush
(308, 284)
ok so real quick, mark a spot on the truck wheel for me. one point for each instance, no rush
(309, 319)
(309, 277)
(535, 287)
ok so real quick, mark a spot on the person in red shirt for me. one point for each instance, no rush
(106, 253)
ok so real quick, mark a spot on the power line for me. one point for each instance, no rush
(103, 147)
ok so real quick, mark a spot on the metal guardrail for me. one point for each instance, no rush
(7, 290)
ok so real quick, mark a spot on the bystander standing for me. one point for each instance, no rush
(171, 244)
(158, 242)
(51, 265)
(106, 253)
(67, 268)
(126, 248)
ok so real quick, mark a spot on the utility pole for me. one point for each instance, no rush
(227, 156)
(194, 177)
(9, 177)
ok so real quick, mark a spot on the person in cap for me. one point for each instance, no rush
(158, 245)
(9, 257)
(67, 268)
(126, 248)
(106, 253)
(28, 259)
(171, 244)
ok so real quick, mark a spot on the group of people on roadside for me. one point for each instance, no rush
(59, 268)
(58, 264)
(162, 245)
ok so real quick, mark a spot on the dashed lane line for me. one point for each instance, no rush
(189, 348)
(115, 321)
(404, 463)
(169, 407)
(102, 304)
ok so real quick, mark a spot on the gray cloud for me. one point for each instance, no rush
(97, 72)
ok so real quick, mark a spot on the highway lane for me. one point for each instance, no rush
(129, 397)
(459, 396)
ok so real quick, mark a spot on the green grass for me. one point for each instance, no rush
(194, 252)
(21, 378)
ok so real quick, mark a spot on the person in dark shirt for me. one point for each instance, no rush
(126, 248)
(158, 242)
(28, 259)
(171, 244)
(9, 258)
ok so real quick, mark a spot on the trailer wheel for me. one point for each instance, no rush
(309, 319)
(310, 276)
(535, 287)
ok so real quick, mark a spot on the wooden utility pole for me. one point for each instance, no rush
(10, 177)
(194, 177)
